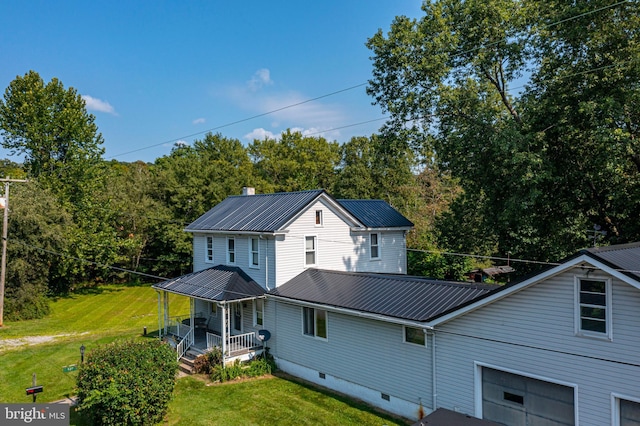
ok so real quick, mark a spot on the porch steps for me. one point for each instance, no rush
(187, 361)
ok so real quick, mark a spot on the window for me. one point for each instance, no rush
(309, 250)
(318, 217)
(254, 252)
(231, 250)
(258, 312)
(374, 245)
(593, 316)
(214, 310)
(314, 322)
(209, 250)
(414, 335)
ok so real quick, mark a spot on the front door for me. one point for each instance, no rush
(236, 318)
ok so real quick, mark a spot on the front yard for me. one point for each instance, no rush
(100, 316)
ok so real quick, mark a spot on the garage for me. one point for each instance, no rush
(516, 400)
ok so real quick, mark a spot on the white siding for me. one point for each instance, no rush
(338, 249)
(532, 332)
(367, 353)
(267, 256)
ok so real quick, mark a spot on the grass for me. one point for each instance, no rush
(96, 317)
(108, 313)
(278, 400)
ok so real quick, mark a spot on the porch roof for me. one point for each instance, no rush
(398, 296)
(219, 283)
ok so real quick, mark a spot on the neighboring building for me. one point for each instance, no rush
(327, 279)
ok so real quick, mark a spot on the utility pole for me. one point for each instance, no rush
(5, 226)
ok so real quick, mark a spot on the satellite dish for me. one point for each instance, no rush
(264, 335)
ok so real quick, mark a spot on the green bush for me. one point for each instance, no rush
(261, 365)
(127, 383)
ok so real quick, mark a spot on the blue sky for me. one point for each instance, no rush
(154, 72)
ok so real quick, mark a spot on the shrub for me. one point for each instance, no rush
(204, 364)
(127, 383)
(261, 365)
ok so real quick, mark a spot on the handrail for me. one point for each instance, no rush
(184, 344)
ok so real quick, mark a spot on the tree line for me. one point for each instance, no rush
(82, 220)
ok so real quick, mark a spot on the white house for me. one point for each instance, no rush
(258, 242)
(327, 278)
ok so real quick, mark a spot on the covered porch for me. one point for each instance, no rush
(226, 311)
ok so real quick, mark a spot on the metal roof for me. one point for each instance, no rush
(220, 283)
(255, 213)
(398, 296)
(375, 213)
(624, 257)
(272, 212)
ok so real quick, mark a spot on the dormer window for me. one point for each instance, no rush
(318, 217)
(593, 307)
(231, 250)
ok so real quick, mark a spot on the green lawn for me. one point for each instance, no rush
(102, 315)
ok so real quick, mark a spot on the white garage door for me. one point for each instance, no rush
(516, 400)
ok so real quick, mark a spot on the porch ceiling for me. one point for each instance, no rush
(219, 283)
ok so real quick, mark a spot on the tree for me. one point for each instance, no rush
(540, 167)
(127, 383)
(50, 125)
(295, 162)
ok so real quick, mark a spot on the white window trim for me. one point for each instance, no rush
(235, 251)
(615, 406)
(576, 307)
(371, 246)
(315, 250)
(251, 265)
(208, 239)
(255, 313)
(315, 218)
(404, 336)
(315, 325)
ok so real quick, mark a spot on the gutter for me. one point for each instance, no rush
(232, 232)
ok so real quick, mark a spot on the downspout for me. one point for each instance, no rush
(434, 384)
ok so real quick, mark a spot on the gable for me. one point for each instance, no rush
(584, 259)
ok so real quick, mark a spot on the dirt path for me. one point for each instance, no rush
(32, 340)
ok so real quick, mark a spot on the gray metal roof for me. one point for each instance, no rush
(255, 213)
(624, 257)
(398, 296)
(220, 283)
(375, 213)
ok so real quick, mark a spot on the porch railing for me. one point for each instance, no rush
(213, 340)
(176, 326)
(185, 344)
(241, 341)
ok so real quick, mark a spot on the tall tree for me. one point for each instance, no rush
(541, 166)
(50, 126)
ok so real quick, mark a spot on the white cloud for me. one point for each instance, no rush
(260, 78)
(95, 104)
(181, 143)
(260, 134)
(199, 121)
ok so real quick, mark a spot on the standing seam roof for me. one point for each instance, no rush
(405, 297)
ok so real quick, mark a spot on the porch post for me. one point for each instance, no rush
(159, 316)
(224, 332)
(166, 311)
